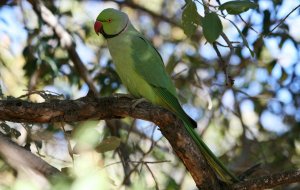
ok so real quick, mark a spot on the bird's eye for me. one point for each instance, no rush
(109, 20)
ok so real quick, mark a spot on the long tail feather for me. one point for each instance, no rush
(212, 160)
(172, 103)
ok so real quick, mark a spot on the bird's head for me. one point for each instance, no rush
(110, 22)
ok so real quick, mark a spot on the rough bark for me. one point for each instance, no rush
(112, 107)
(88, 108)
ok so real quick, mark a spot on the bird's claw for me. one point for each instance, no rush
(137, 101)
(119, 95)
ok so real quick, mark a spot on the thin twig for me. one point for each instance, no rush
(222, 64)
(226, 46)
(123, 150)
(229, 43)
(70, 150)
(139, 162)
(152, 174)
(246, 23)
(282, 20)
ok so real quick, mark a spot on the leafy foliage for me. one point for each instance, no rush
(254, 120)
(238, 7)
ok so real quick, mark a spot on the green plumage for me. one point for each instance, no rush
(142, 71)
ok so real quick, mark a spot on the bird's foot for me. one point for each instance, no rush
(119, 95)
(137, 102)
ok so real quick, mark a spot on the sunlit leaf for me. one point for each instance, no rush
(6, 128)
(65, 170)
(245, 42)
(238, 7)
(271, 65)
(15, 133)
(190, 18)
(212, 27)
(284, 75)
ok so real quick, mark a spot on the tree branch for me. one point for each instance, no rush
(113, 107)
(85, 108)
(21, 159)
(270, 181)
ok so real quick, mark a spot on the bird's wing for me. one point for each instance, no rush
(172, 103)
(149, 65)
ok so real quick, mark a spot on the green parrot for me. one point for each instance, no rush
(142, 71)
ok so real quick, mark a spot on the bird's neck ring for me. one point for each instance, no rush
(107, 36)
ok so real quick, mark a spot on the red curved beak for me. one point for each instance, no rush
(97, 27)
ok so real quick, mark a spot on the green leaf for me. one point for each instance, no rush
(171, 183)
(6, 128)
(15, 133)
(212, 27)
(190, 18)
(238, 7)
(51, 62)
(284, 75)
(108, 144)
(245, 42)
(266, 22)
(31, 61)
(271, 65)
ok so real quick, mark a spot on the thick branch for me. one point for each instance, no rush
(19, 158)
(266, 182)
(112, 107)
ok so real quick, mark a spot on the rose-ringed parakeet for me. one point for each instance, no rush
(142, 71)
